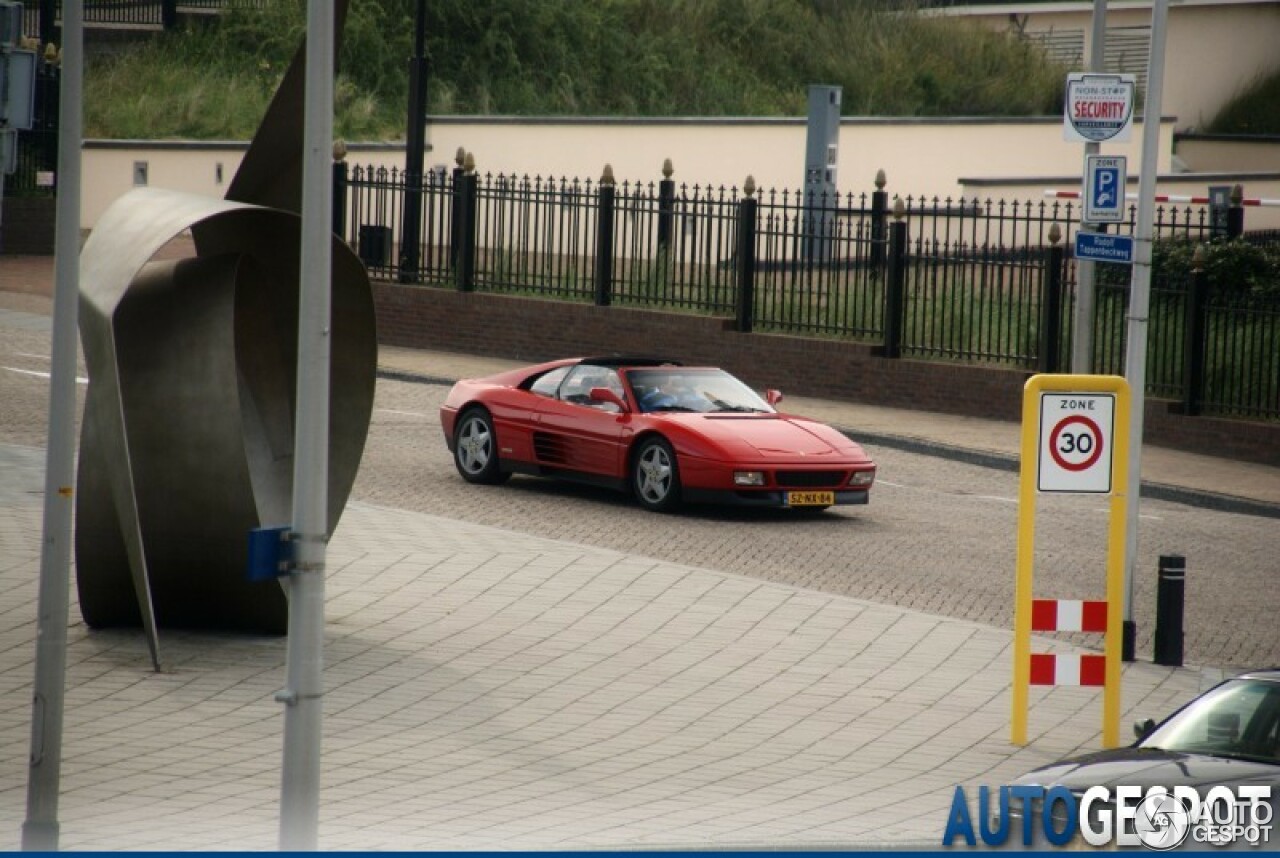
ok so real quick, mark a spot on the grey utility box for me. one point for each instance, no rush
(821, 157)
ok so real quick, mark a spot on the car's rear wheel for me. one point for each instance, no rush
(655, 477)
(475, 448)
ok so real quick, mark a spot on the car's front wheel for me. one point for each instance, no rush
(475, 448)
(655, 477)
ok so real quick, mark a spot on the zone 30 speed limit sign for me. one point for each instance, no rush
(1076, 442)
(1075, 430)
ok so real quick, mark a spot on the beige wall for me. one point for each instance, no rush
(1216, 153)
(924, 157)
(918, 156)
(1215, 48)
(107, 170)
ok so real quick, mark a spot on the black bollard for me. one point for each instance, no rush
(1170, 593)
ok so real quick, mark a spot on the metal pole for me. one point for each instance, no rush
(1135, 363)
(414, 152)
(40, 830)
(303, 695)
(1082, 318)
(747, 209)
(48, 10)
(1051, 304)
(606, 193)
(895, 282)
(1170, 599)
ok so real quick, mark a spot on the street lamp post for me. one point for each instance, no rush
(415, 151)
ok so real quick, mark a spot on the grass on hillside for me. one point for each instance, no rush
(1256, 110)
(574, 58)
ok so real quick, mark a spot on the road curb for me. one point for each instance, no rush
(982, 458)
(1006, 462)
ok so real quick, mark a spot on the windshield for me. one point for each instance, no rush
(700, 390)
(1238, 719)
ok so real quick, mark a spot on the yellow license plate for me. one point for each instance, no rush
(811, 498)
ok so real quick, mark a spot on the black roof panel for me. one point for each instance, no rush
(624, 360)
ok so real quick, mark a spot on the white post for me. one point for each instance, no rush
(303, 696)
(1135, 363)
(1082, 320)
(40, 830)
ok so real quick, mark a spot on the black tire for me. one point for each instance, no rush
(655, 475)
(475, 448)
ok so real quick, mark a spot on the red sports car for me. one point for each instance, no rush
(665, 432)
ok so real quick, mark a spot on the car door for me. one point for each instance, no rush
(515, 415)
(577, 434)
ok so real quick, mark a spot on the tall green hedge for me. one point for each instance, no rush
(577, 58)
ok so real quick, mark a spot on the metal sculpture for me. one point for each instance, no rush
(187, 439)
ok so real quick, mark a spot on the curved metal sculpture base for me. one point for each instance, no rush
(188, 432)
(187, 440)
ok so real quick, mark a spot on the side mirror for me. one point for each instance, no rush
(604, 394)
(1143, 729)
(773, 397)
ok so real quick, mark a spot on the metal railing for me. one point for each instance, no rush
(985, 282)
(819, 264)
(42, 17)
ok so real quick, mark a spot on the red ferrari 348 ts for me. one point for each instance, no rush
(665, 432)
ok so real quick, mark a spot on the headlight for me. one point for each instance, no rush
(748, 478)
(861, 479)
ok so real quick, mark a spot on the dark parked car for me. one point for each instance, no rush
(1229, 736)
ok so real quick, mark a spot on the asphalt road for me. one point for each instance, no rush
(938, 536)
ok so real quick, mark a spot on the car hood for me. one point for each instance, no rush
(774, 437)
(1147, 767)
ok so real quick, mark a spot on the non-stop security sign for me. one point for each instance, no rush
(1098, 107)
(1075, 442)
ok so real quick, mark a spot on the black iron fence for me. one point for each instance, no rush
(37, 158)
(43, 17)
(974, 281)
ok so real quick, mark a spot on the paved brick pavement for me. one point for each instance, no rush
(492, 688)
(487, 689)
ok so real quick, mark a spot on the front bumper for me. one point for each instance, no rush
(771, 498)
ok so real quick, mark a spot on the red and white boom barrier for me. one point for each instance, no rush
(1165, 198)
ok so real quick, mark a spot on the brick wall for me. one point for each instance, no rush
(532, 329)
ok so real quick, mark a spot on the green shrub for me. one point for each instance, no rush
(574, 58)
(1233, 267)
(1254, 111)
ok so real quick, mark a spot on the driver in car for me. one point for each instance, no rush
(673, 391)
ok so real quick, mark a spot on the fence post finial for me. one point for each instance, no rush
(1055, 233)
(881, 181)
(749, 187)
(339, 149)
(899, 208)
(460, 156)
(469, 163)
(667, 169)
(606, 177)
(1237, 195)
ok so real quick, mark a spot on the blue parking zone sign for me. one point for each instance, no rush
(1104, 188)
